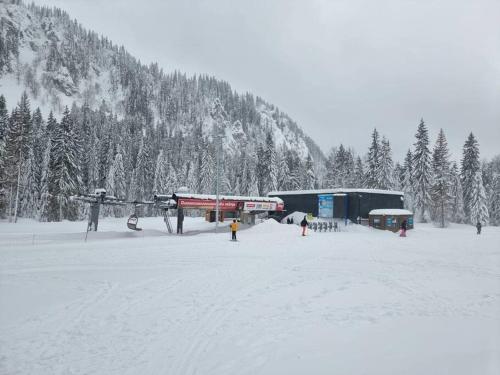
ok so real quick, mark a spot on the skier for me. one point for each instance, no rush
(478, 226)
(180, 220)
(234, 229)
(303, 224)
(94, 216)
(404, 226)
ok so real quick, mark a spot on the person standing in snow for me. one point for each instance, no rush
(478, 226)
(180, 220)
(303, 224)
(234, 229)
(404, 226)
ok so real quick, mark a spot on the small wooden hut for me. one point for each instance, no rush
(390, 218)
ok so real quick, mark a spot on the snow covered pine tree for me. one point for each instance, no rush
(422, 173)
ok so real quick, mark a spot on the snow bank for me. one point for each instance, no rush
(273, 303)
(297, 217)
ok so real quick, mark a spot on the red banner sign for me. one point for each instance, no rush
(228, 205)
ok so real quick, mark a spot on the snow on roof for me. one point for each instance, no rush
(390, 211)
(335, 191)
(229, 197)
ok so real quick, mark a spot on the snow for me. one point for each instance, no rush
(281, 135)
(354, 302)
(390, 211)
(336, 191)
(297, 217)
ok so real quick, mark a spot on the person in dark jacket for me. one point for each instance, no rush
(478, 227)
(180, 220)
(303, 224)
(404, 227)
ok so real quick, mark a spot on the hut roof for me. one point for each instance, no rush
(390, 211)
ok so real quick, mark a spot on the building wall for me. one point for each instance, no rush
(307, 203)
(375, 201)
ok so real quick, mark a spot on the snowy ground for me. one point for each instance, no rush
(357, 302)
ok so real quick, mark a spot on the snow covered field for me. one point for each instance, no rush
(357, 302)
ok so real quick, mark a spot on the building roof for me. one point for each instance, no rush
(335, 191)
(229, 197)
(390, 211)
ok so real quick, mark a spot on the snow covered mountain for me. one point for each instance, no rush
(58, 62)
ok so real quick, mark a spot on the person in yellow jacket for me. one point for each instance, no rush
(234, 229)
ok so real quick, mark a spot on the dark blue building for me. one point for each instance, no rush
(339, 203)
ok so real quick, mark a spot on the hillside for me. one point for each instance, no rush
(161, 124)
(59, 62)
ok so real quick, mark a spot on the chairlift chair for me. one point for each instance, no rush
(132, 222)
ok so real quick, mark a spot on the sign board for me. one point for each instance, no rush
(229, 205)
(410, 220)
(325, 205)
(260, 206)
(388, 221)
(207, 204)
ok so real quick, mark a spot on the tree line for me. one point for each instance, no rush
(436, 188)
(43, 162)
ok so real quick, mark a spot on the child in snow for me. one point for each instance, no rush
(303, 224)
(404, 226)
(478, 226)
(234, 229)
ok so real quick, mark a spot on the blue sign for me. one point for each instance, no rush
(388, 221)
(325, 205)
(410, 220)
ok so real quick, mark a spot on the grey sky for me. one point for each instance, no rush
(337, 67)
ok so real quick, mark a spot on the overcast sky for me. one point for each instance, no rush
(337, 67)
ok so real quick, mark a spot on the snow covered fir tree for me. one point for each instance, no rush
(90, 115)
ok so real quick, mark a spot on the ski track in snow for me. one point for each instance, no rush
(272, 303)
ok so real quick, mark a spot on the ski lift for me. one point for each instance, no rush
(132, 222)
